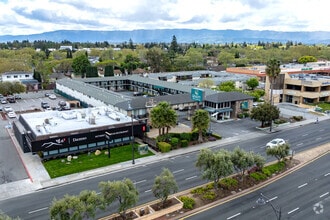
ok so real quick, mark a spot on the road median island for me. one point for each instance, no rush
(298, 161)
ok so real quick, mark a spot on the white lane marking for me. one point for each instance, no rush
(302, 185)
(293, 210)
(318, 138)
(327, 174)
(140, 181)
(269, 200)
(192, 177)
(38, 210)
(304, 135)
(149, 190)
(177, 171)
(324, 194)
(233, 216)
(300, 144)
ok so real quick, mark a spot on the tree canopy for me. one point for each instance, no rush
(164, 185)
(163, 117)
(214, 165)
(265, 112)
(124, 192)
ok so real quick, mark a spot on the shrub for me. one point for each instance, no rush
(174, 142)
(184, 143)
(297, 118)
(258, 176)
(185, 136)
(274, 168)
(209, 195)
(199, 190)
(164, 147)
(188, 203)
(228, 183)
(164, 138)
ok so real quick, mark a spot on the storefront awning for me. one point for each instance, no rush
(219, 110)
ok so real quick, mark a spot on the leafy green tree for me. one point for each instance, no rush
(214, 165)
(306, 59)
(265, 113)
(226, 58)
(174, 45)
(164, 185)
(243, 160)
(252, 83)
(280, 151)
(79, 207)
(194, 57)
(163, 117)
(124, 192)
(80, 64)
(227, 86)
(69, 207)
(200, 121)
(131, 63)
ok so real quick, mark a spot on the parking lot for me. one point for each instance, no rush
(32, 100)
(11, 166)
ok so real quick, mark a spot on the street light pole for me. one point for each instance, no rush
(132, 137)
(262, 201)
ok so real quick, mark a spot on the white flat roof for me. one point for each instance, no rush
(53, 122)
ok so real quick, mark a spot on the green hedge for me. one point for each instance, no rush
(184, 143)
(164, 147)
(174, 142)
(185, 136)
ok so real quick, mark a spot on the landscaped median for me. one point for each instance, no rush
(299, 160)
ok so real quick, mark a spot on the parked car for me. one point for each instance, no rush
(275, 143)
(8, 109)
(11, 99)
(18, 96)
(4, 101)
(52, 96)
(44, 105)
(12, 114)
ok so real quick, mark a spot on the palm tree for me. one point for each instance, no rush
(163, 117)
(272, 71)
(201, 121)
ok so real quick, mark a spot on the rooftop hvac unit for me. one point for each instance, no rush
(92, 120)
(114, 116)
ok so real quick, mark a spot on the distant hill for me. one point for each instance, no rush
(182, 35)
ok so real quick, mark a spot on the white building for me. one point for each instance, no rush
(16, 76)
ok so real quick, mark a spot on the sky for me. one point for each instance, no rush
(20, 17)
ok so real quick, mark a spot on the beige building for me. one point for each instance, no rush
(301, 84)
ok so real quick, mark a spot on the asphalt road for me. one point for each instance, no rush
(35, 206)
(305, 194)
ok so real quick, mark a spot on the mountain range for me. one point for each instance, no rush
(182, 36)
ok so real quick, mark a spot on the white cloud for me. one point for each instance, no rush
(36, 16)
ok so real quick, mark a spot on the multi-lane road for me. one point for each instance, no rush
(35, 206)
(304, 194)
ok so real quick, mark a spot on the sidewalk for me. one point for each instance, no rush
(39, 178)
